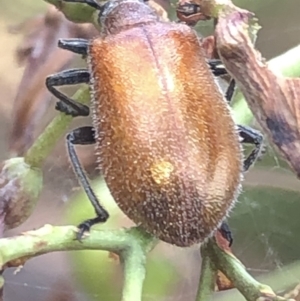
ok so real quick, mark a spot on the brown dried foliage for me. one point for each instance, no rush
(273, 99)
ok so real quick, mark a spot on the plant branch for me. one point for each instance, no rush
(131, 245)
(45, 143)
(207, 281)
(238, 275)
(134, 266)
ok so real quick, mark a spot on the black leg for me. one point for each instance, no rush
(230, 90)
(83, 136)
(218, 69)
(247, 134)
(251, 136)
(226, 233)
(68, 77)
(91, 3)
(79, 46)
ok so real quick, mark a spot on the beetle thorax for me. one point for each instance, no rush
(119, 15)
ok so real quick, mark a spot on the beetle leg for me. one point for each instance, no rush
(226, 233)
(68, 77)
(84, 136)
(79, 46)
(218, 69)
(230, 90)
(251, 136)
(91, 3)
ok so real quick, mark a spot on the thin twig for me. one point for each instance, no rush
(132, 245)
(44, 144)
(207, 281)
(235, 271)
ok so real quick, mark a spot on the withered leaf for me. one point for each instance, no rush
(273, 99)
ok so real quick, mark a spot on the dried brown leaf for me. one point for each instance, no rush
(223, 283)
(274, 100)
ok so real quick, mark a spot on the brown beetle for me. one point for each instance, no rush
(165, 139)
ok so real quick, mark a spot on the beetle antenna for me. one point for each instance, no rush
(92, 3)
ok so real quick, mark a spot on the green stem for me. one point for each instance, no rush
(134, 275)
(62, 238)
(135, 266)
(45, 143)
(236, 272)
(207, 281)
(135, 269)
(132, 245)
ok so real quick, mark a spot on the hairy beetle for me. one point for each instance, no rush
(165, 139)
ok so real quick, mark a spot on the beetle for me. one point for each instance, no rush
(166, 142)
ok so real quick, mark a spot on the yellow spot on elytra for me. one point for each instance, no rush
(161, 171)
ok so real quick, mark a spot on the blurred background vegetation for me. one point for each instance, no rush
(265, 222)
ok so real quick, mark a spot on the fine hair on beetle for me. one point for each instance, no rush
(166, 143)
